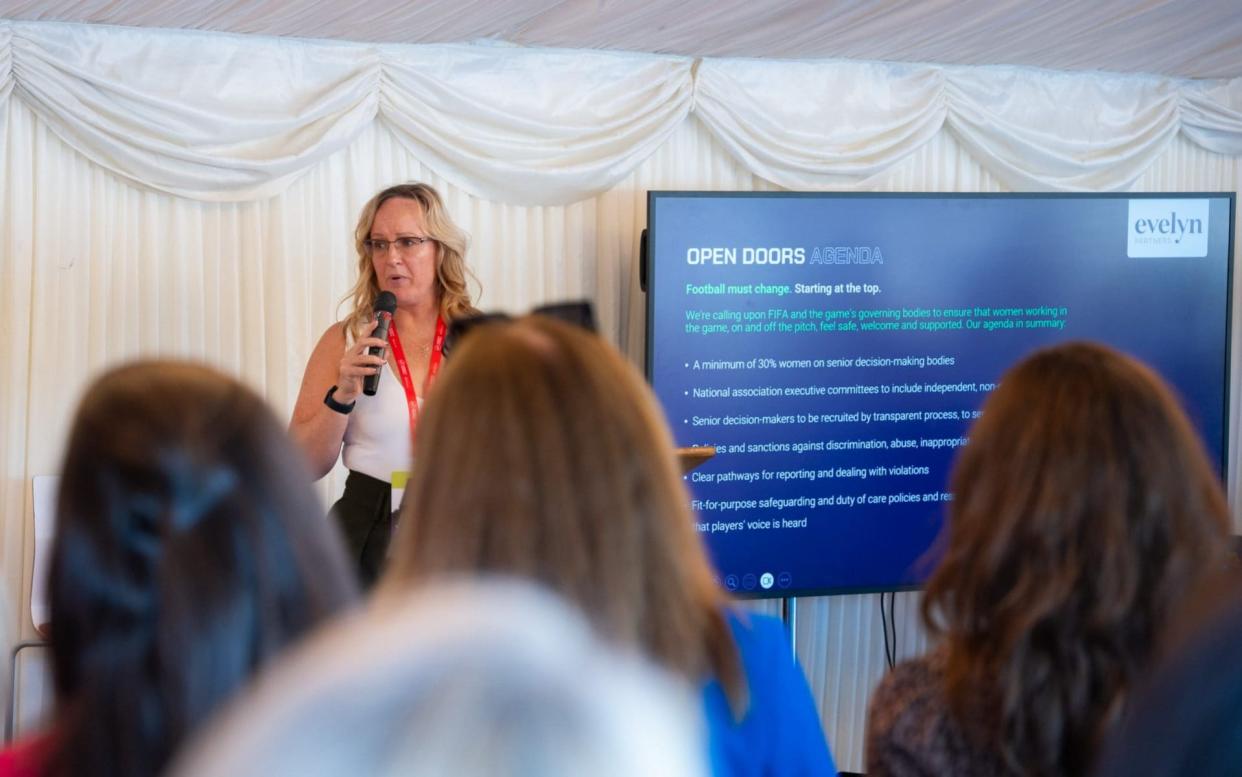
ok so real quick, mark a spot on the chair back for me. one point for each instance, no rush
(45, 488)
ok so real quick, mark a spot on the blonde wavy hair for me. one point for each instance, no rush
(451, 270)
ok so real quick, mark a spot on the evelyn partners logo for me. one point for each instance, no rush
(1167, 228)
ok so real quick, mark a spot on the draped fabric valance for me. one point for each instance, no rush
(226, 117)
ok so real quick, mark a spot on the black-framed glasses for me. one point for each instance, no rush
(404, 245)
(580, 313)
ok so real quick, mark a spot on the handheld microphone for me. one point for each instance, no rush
(385, 306)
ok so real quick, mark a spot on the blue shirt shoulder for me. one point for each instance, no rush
(780, 734)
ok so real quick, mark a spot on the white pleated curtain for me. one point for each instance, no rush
(186, 194)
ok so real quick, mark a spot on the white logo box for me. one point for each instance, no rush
(1161, 228)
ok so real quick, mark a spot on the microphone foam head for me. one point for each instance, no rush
(386, 302)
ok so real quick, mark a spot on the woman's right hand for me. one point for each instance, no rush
(356, 364)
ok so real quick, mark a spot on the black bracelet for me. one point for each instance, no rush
(343, 409)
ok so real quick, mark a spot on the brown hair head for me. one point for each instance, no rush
(543, 454)
(189, 550)
(451, 270)
(1084, 510)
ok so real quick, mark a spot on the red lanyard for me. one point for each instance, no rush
(403, 367)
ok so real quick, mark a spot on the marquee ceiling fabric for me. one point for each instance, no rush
(1184, 38)
(237, 117)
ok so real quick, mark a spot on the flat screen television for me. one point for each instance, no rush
(835, 348)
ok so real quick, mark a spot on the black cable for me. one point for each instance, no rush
(883, 626)
(892, 624)
(888, 648)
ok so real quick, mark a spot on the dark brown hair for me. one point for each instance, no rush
(543, 454)
(1184, 721)
(1085, 509)
(189, 550)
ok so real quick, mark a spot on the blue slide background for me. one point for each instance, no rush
(939, 251)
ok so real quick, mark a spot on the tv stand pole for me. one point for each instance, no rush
(789, 614)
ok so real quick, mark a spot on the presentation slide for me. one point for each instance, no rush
(835, 349)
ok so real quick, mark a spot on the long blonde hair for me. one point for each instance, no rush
(451, 271)
(543, 454)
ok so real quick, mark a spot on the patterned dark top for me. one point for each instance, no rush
(911, 733)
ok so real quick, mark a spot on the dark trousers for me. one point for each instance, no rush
(364, 515)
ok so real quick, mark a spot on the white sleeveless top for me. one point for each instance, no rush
(377, 436)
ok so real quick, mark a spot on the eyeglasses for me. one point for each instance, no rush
(404, 245)
(579, 313)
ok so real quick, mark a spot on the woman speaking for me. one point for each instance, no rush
(408, 246)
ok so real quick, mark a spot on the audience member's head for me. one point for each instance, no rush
(189, 550)
(543, 454)
(1085, 509)
(1185, 721)
(483, 679)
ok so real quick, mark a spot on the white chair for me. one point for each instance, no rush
(44, 488)
(10, 720)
